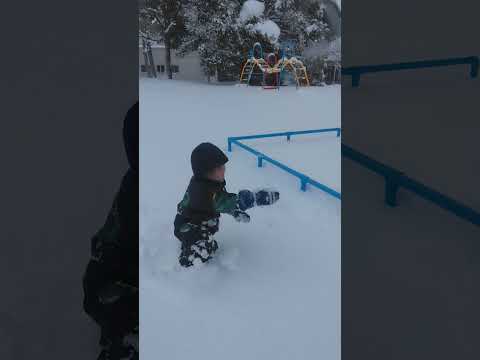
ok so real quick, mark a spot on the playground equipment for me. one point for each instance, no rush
(304, 179)
(269, 70)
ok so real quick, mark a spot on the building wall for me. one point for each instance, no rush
(188, 66)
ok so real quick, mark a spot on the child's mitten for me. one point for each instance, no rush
(266, 197)
(262, 197)
(241, 216)
(246, 199)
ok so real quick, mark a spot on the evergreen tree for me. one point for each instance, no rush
(314, 13)
(300, 21)
(162, 21)
(214, 30)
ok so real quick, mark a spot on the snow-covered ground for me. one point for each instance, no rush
(273, 290)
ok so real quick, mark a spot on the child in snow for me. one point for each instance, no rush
(206, 198)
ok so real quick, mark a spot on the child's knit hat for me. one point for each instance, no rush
(206, 157)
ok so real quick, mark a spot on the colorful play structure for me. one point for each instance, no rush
(270, 70)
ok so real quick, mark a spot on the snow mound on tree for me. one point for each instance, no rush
(251, 9)
(311, 28)
(269, 29)
(328, 50)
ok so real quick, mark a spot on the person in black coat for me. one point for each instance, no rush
(111, 281)
(198, 214)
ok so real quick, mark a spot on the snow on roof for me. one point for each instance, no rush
(268, 28)
(250, 9)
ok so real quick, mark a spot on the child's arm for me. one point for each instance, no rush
(228, 203)
(236, 205)
(225, 202)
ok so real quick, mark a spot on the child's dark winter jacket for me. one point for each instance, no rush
(200, 209)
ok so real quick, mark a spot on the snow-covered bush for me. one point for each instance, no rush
(321, 58)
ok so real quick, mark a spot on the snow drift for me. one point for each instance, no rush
(273, 290)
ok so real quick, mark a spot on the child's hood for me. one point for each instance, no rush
(206, 157)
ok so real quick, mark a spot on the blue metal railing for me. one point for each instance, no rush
(395, 179)
(357, 71)
(304, 179)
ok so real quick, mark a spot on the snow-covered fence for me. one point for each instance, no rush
(304, 179)
(357, 71)
(395, 179)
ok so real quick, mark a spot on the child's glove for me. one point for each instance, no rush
(241, 216)
(248, 199)
(266, 197)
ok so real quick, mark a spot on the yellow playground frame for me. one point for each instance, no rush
(291, 64)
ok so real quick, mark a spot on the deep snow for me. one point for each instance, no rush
(273, 290)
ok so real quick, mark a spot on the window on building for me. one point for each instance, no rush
(162, 68)
(143, 68)
(175, 69)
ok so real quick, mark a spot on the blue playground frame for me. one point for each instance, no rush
(357, 71)
(304, 179)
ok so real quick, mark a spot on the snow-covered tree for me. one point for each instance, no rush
(208, 23)
(317, 28)
(300, 21)
(254, 19)
(162, 21)
(222, 32)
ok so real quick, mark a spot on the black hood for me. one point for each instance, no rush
(206, 157)
(130, 136)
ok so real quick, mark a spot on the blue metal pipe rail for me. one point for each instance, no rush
(357, 71)
(304, 179)
(395, 180)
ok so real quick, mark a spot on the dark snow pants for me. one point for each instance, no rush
(197, 240)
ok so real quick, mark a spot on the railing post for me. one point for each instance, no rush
(229, 144)
(338, 132)
(259, 161)
(288, 136)
(474, 68)
(391, 189)
(303, 184)
(355, 79)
